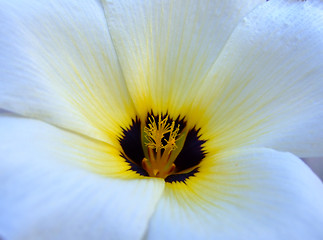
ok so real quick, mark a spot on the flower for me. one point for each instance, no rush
(160, 119)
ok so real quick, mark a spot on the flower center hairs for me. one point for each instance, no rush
(162, 147)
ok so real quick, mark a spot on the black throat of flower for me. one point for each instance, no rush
(162, 147)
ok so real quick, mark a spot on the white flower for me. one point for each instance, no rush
(160, 119)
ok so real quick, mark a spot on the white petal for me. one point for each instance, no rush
(44, 196)
(58, 64)
(267, 86)
(245, 194)
(166, 47)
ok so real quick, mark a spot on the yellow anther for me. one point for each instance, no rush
(155, 133)
(160, 135)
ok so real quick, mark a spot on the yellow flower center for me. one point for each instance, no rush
(161, 142)
(163, 147)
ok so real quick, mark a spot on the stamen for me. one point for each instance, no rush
(158, 163)
(163, 148)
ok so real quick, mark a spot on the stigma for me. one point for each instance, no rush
(161, 138)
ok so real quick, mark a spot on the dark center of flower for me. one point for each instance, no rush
(162, 147)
